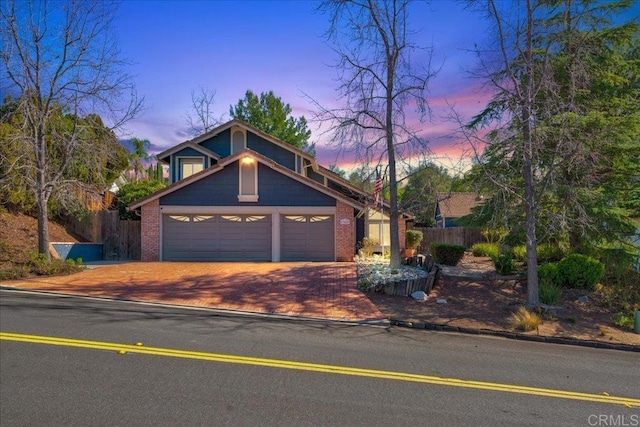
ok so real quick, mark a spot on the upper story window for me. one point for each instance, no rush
(248, 180)
(238, 140)
(190, 166)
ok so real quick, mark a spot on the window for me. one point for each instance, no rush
(379, 228)
(190, 166)
(237, 141)
(248, 180)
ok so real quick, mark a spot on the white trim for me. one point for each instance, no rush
(275, 237)
(233, 130)
(247, 197)
(179, 160)
(245, 210)
(188, 144)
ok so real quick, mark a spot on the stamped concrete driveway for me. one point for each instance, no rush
(317, 290)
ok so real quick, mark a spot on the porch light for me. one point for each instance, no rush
(248, 160)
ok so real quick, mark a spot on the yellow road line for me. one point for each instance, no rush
(313, 367)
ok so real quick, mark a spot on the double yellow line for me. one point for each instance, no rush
(313, 367)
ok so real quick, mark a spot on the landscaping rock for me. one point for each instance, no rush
(441, 301)
(419, 295)
(583, 299)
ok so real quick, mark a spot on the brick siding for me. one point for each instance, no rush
(402, 234)
(345, 233)
(150, 241)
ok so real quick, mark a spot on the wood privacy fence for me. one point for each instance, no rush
(120, 239)
(465, 236)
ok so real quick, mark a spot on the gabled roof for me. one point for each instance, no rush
(453, 205)
(187, 144)
(235, 157)
(228, 125)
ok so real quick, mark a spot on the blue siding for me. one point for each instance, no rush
(219, 144)
(221, 189)
(315, 176)
(268, 149)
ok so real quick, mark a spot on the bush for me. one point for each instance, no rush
(486, 249)
(444, 253)
(525, 320)
(520, 253)
(547, 252)
(549, 273)
(133, 191)
(367, 246)
(414, 238)
(580, 271)
(549, 292)
(39, 265)
(504, 264)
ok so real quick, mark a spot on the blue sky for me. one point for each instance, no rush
(232, 46)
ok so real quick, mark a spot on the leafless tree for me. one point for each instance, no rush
(379, 80)
(201, 117)
(61, 56)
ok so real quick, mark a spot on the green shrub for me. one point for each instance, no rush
(549, 273)
(486, 249)
(444, 253)
(623, 320)
(504, 264)
(414, 238)
(549, 292)
(495, 235)
(367, 247)
(40, 266)
(580, 271)
(547, 252)
(520, 253)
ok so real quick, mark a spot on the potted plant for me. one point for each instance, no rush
(414, 238)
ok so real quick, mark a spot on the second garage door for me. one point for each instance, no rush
(307, 238)
(216, 238)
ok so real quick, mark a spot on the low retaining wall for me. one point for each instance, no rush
(406, 287)
(70, 250)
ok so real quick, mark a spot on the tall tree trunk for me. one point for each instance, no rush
(529, 184)
(394, 262)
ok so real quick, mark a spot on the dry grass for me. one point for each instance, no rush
(524, 320)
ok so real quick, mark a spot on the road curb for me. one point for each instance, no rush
(227, 311)
(514, 335)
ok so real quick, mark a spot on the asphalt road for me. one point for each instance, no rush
(212, 368)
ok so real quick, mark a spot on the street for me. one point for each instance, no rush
(78, 361)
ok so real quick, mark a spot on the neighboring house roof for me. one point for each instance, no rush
(454, 205)
(235, 157)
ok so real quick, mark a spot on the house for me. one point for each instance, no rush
(239, 194)
(451, 206)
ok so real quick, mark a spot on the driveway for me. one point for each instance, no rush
(316, 290)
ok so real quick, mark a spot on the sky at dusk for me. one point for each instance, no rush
(232, 46)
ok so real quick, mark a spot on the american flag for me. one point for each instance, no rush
(377, 189)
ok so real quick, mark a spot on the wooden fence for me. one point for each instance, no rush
(120, 239)
(465, 236)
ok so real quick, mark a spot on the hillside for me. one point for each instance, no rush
(19, 236)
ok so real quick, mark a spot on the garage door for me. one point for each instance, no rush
(307, 238)
(216, 237)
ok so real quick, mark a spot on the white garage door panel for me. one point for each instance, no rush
(216, 238)
(307, 238)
